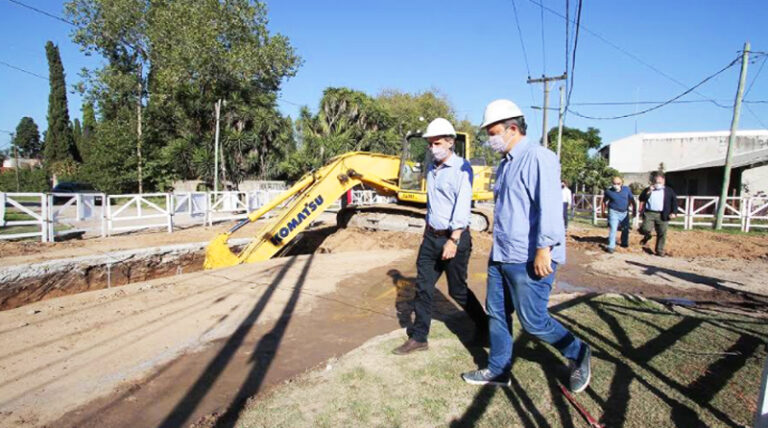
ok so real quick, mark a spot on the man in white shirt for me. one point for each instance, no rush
(567, 199)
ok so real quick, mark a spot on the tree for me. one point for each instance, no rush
(88, 131)
(27, 138)
(172, 61)
(59, 141)
(574, 153)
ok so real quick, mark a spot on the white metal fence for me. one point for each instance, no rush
(49, 216)
(744, 213)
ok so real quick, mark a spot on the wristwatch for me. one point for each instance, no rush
(455, 240)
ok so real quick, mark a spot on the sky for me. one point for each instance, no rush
(628, 51)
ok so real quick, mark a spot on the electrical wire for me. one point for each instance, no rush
(23, 70)
(543, 45)
(50, 15)
(684, 93)
(570, 76)
(754, 79)
(520, 35)
(525, 53)
(629, 54)
(749, 109)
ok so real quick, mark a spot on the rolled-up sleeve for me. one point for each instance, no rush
(462, 209)
(545, 186)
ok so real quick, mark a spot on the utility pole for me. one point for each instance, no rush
(545, 80)
(560, 121)
(732, 138)
(217, 107)
(16, 157)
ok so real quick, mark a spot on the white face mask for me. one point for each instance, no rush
(617, 187)
(440, 153)
(658, 186)
(497, 142)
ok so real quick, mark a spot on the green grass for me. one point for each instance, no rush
(652, 366)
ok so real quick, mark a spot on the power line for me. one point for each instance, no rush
(754, 79)
(620, 103)
(573, 59)
(50, 15)
(684, 93)
(627, 53)
(543, 45)
(520, 35)
(749, 109)
(6, 131)
(23, 70)
(522, 45)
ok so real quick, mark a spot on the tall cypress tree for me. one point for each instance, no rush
(89, 126)
(59, 140)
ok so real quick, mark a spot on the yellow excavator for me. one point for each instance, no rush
(402, 177)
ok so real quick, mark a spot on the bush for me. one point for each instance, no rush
(30, 180)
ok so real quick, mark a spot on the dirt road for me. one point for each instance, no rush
(62, 353)
(192, 349)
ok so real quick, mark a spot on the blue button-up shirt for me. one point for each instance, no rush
(449, 193)
(529, 210)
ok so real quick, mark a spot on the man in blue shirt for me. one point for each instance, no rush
(447, 243)
(528, 246)
(618, 199)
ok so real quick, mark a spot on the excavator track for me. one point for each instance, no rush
(403, 218)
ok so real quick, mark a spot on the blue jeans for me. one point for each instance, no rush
(618, 219)
(514, 287)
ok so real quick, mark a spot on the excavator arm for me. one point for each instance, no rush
(304, 201)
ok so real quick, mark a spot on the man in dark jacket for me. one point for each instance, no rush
(658, 204)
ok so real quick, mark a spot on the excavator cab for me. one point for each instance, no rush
(415, 158)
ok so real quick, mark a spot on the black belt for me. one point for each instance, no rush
(441, 232)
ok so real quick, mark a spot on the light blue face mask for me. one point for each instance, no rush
(497, 142)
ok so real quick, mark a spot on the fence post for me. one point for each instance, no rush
(48, 218)
(103, 216)
(594, 210)
(169, 210)
(3, 197)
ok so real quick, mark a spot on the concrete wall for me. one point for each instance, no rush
(644, 152)
(754, 181)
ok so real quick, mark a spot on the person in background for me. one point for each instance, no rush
(447, 244)
(528, 247)
(567, 200)
(658, 204)
(618, 198)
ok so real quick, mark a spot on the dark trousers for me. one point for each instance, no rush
(652, 220)
(430, 266)
(565, 214)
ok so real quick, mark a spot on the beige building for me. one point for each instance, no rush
(694, 161)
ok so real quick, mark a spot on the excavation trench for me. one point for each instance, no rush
(28, 283)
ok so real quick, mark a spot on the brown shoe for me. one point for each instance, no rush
(410, 346)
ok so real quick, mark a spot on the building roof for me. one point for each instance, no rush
(737, 161)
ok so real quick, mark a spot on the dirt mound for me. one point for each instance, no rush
(352, 239)
(690, 243)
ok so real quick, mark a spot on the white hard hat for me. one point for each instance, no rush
(439, 127)
(499, 110)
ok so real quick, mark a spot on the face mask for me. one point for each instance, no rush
(440, 153)
(497, 142)
(658, 186)
(617, 187)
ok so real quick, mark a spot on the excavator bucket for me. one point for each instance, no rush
(218, 254)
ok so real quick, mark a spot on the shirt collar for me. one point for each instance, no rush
(519, 148)
(453, 160)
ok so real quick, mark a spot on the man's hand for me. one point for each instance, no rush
(672, 215)
(542, 264)
(449, 250)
